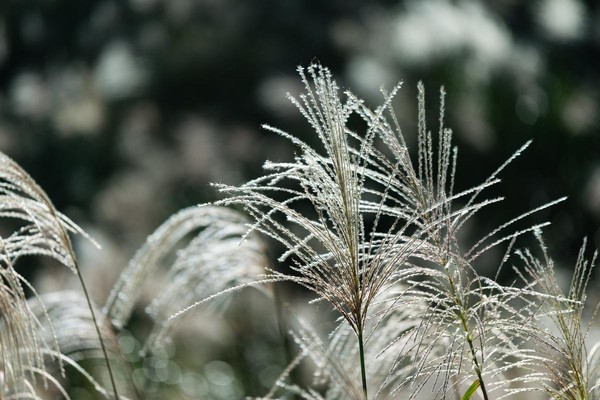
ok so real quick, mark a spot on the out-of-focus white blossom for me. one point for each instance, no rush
(119, 73)
(435, 29)
(580, 113)
(369, 75)
(272, 92)
(561, 20)
(78, 107)
(29, 95)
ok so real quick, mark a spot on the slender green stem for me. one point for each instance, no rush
(477, 368)
(104, 352)
(69, 247)
(465, 326)
(363, 370)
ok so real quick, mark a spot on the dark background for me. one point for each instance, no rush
(125, 111)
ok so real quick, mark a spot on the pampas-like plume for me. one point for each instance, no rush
(571, 370)
(42, 231)
(347, 189)
(220, 256)
(21, 347)
(359, 216)
(65, 320)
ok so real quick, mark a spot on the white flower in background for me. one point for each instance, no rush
(561, 19)
(580, 112)
(77, 106)
(29, 95)
(119, 72)
(272, 91)
(436, 29)
(369, 74)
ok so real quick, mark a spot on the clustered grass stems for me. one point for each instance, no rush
(358, 217)
(332, 250)
(44, 231)
(216, 255)
(18, 330)
(572, 371)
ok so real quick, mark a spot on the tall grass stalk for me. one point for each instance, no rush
(100, 338)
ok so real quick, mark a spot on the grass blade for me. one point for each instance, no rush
(471, 390)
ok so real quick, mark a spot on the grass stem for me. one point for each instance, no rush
(94, 319)
(465, 326)
(363, 370)
(477, 369)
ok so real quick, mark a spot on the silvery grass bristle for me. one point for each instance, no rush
(65, 320)
(573, 371)
(42, 231)
(335, 253)
(377, 218)
(21, 347)
(220, 255)
(334, 357)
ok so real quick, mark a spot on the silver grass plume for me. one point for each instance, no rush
(65, 320)
(42, 231)
(21, 346)
(360, 215)
(347, 187)
(471, 332)
(478, 323)
(571, 368)
(220, 256)
(72, 326)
